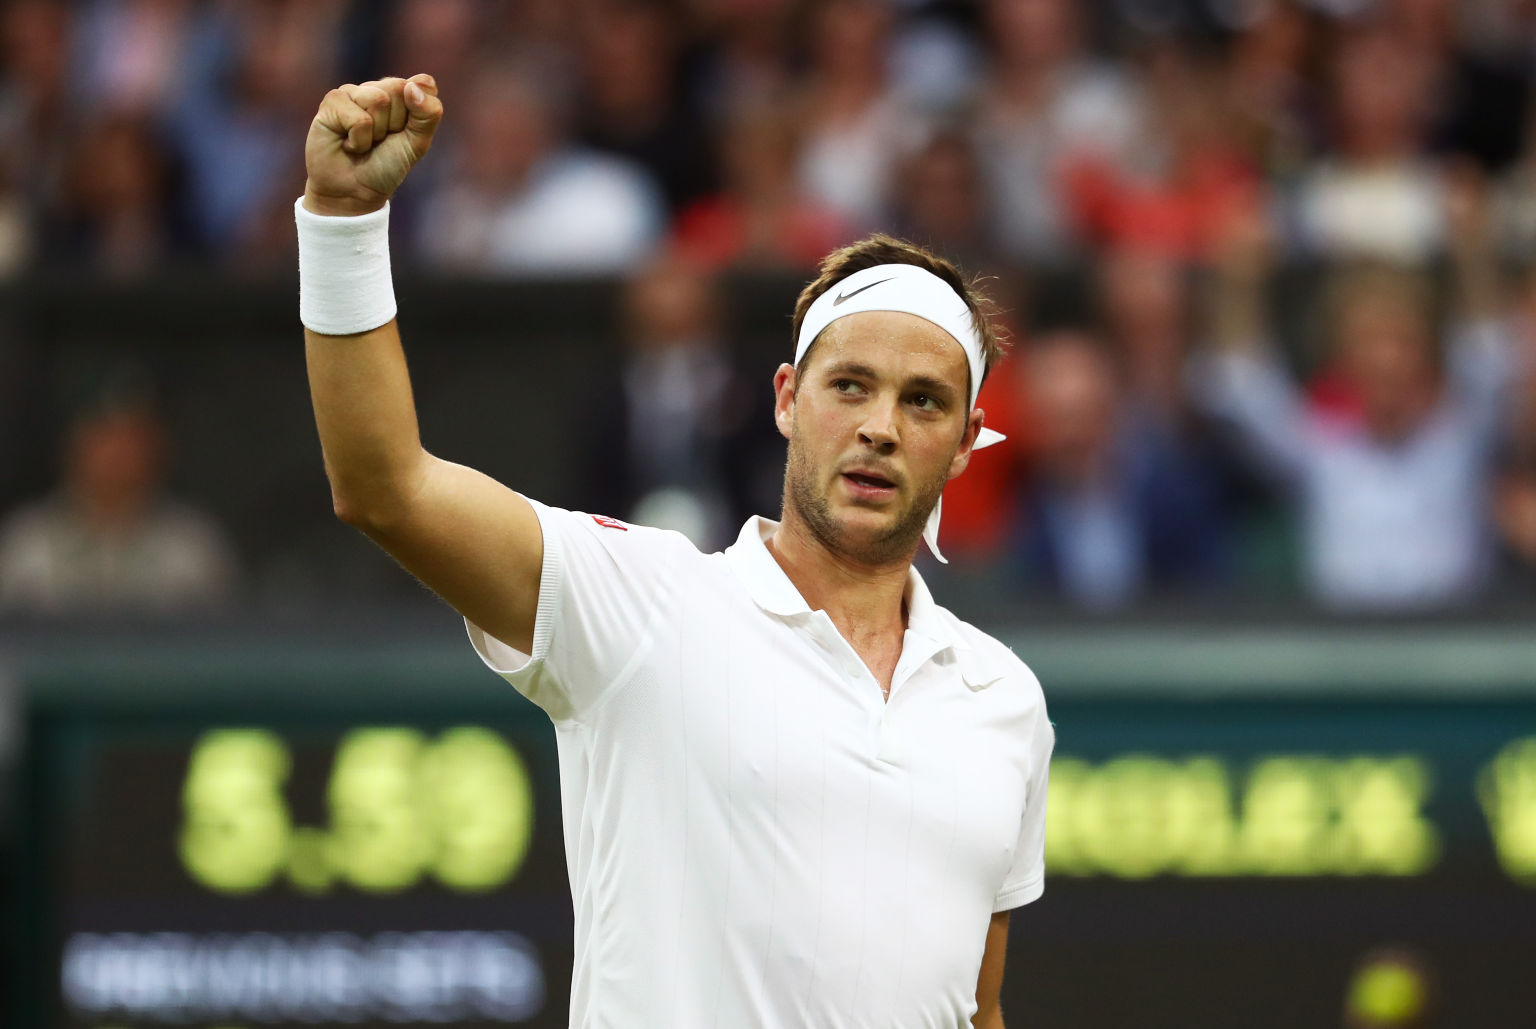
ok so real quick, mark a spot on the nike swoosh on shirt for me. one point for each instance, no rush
(844, 296)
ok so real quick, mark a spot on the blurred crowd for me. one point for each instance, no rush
(1265, 262)
(582, 134)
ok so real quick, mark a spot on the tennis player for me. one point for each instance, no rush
(796, 791)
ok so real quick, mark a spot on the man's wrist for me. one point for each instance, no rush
(344, 277)
(339, 206)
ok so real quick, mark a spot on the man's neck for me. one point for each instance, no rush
(866, 602)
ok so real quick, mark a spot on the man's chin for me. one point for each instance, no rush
(867, 518)
(873, 533)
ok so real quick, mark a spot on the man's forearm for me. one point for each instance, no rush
(366, 415)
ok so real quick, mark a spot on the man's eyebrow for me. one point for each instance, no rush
(929, 384)
(863, 371)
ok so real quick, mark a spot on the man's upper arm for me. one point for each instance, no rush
(473, 542)
(989, 984)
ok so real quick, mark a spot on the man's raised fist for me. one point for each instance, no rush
(364, 140)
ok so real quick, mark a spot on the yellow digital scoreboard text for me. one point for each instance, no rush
(403, 808)
(1138, 815)
(458, 809)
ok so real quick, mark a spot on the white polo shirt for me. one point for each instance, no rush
(754, 837)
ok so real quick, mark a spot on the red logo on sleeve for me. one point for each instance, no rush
(610, 523)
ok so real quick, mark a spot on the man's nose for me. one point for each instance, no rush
(879, 427)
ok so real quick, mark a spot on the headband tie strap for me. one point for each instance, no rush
(910, 290)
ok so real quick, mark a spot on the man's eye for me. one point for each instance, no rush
(845, 385)
(926, 402)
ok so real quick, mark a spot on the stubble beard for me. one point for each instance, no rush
(811, 504)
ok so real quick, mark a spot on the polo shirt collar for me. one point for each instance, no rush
(771, 589)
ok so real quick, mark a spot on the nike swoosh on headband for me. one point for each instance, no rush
(845, 296)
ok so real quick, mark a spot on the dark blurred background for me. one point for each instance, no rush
(1269, 492)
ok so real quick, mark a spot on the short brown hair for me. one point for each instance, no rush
(882, 249)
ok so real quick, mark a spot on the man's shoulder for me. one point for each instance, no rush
(618, 536)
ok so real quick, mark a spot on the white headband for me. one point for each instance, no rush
(911, 290)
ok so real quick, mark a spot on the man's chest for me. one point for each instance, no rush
(776, 738)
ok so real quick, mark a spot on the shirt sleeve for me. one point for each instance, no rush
(602, 585)
(1026, 879)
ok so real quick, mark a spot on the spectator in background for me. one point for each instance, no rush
(1476, 58)
(747, 65)
(1392, 489)
(1146, 306)
(1375, 194)
(34, 67)
(941, 201)
(108, 540)
(440, 34)
(254, 73)
(1187, 176)
(1145, 303)
(1044, 105)
(129, 54)
(760, 218)
(1110, 514)
(854, 124)
(115, 214)
(1268, 73)
(935, 57)
(1143, 299)
(520, 199)
(632, 100)
(671, 445)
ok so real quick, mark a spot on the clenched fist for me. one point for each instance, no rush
(364, 140)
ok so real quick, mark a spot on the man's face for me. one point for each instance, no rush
(1071, 390)
(877, 422)
(113, 459)
(1386, 357)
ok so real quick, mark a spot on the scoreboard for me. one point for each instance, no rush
(330, 874)
(329, 843)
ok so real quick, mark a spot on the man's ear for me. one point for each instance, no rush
(962, 456)
(784, 399)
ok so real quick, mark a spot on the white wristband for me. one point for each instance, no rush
(344, 281)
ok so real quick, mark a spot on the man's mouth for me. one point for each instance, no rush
(867, 484)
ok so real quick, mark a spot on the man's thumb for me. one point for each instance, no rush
(423, 112)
